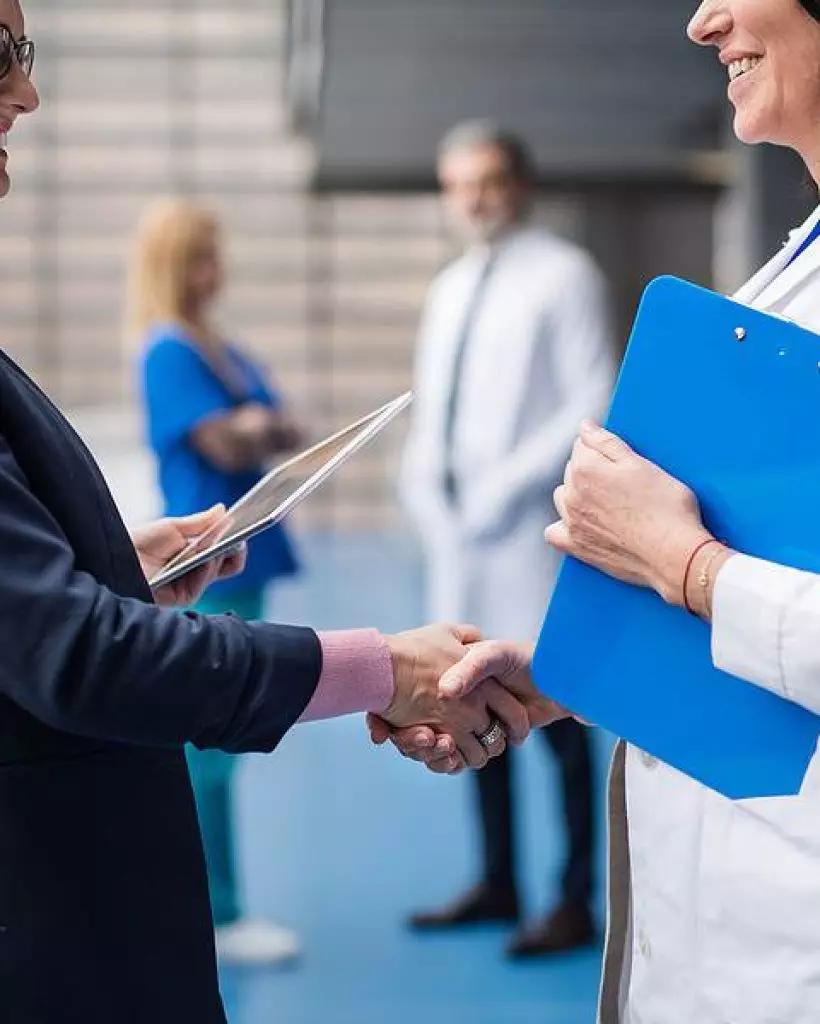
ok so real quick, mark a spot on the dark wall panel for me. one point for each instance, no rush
(602, 87)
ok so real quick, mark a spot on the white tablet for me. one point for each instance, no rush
(279, 492)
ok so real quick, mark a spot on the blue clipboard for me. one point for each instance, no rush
(727, 399)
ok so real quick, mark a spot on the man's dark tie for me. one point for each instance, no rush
(467, 325)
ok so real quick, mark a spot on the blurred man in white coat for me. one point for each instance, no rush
(514, 351)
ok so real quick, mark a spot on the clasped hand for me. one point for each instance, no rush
(450, 687)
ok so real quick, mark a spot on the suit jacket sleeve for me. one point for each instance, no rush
(84, 660)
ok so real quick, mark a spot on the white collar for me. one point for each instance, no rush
(783, 272)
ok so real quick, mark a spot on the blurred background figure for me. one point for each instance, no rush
(213, 422)
(515, 349)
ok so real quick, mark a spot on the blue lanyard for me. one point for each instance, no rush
(815, 233)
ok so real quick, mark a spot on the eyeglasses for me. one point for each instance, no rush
(12, 50)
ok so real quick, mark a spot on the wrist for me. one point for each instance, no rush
(394, 646)
(700, 583)
(668, 574)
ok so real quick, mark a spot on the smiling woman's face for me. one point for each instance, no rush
(771, 51)
(17, 94)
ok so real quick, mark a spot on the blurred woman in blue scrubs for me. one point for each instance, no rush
(213, 422)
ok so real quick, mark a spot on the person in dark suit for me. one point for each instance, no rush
(104, 911)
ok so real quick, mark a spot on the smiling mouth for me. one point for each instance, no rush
(738, 68)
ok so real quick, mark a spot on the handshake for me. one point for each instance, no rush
(458, 700)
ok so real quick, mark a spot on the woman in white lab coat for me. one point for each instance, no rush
(714, 904)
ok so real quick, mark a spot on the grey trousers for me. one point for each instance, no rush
(618, 948)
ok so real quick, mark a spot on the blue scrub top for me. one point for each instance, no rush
(180, 390)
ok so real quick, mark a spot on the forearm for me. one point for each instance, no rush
(255, 439)
(245, 438)
(95, 664)
(88, 661)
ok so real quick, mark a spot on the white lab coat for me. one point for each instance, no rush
(539, 360)
(722, 923)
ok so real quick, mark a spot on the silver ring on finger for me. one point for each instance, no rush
(491, 737)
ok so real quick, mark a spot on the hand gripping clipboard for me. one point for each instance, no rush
(727, 399)
(279, 492)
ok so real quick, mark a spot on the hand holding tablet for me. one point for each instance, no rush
(279, 492)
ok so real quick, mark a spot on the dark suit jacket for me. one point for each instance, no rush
(104, 913)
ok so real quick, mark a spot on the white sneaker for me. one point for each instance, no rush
(255, 943)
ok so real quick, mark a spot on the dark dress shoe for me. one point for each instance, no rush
(563, 929)
(481, 905)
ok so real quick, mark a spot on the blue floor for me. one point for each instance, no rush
(340, 840)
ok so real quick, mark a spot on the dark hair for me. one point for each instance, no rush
(471, 134)
(813, 8)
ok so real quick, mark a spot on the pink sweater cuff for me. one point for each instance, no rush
(357, 675)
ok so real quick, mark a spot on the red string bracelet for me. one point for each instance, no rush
(703, 544)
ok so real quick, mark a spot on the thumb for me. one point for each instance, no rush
(467, 634)
(193, 525)
(482, 661)
(601, 440)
